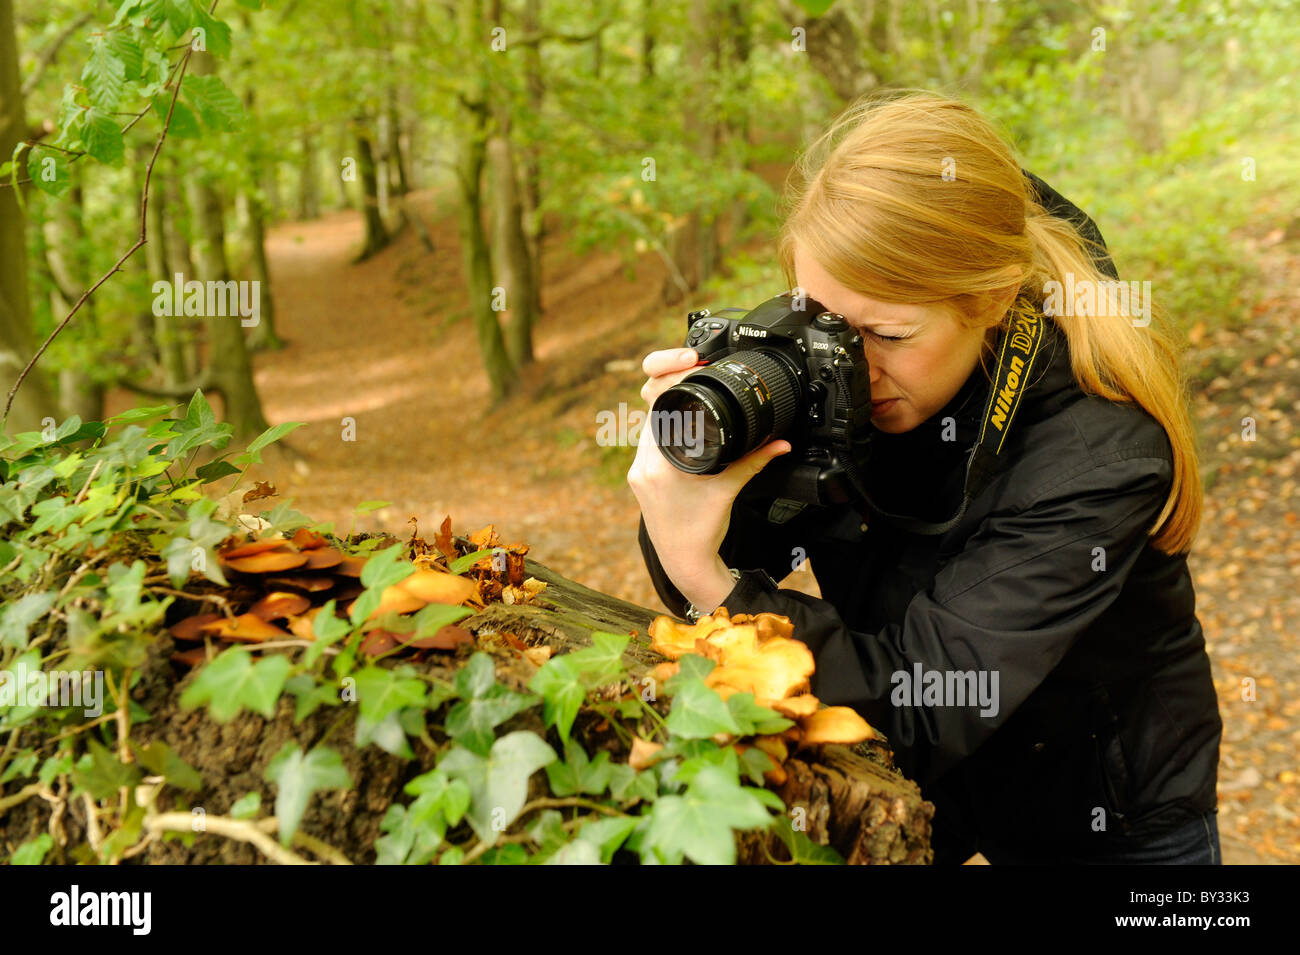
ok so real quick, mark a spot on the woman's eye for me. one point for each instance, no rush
(888, 338)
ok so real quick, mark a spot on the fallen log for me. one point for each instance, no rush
(850, 798)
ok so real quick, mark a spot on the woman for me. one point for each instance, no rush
(1061, 598)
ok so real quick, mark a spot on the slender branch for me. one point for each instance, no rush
(140, 241)
(27, 792)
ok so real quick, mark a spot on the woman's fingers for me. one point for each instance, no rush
(667, 361)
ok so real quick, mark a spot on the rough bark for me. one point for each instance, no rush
(853, 798)
(515, 271)
(35, 399)
(376, 233)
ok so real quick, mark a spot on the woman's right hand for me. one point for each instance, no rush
(687, 515)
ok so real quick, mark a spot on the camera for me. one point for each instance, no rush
(789, 369)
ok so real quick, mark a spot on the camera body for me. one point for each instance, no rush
(789, 369)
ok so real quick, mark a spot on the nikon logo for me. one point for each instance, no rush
(752, 332)
(1021, 340)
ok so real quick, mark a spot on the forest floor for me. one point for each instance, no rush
(388, 343)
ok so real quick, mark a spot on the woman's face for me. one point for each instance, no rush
(919, 355)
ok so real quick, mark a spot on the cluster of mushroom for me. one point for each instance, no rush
(757, 654)
(298, 575)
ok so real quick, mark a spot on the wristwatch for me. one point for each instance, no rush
(692, 614)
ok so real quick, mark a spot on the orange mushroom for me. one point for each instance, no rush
(279, 604)
(835, 724)
(266, 561)
(246, 628)
(434, 586)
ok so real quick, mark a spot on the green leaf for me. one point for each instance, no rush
(608, 833)
(215, 470)
(215, 33)
(49, 171)
(327, 629)
(627, 785)
(802, 849)
(269, 436)
(473, 720)
(498, 784)
(464, 563)
(699, 712)
(563, 681)
(159, 759)
(233, 681)
(179, 15)
(246, 806)
(699, 824)
(577, 774)
(297, 777)
(216, 105)
(578, 852)
(754, 719)
(184, 124)
(381, 691)
(100, 773)
(388, 734)
(366, 507)
(102, 137)
(33, 851)
(18, 616)
(309, 695)
(126, 49)
(104, 75)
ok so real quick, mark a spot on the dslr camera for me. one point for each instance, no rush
(788, 369)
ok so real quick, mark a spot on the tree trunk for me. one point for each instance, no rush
(180, 261)
(308, 179)
(529, 159)
(34, 401)
(229, 368)
(264, 336)
(65, 254)
(376, 234)
(171, 358)
(854, 799)
(514, 270)
(647, 40)
(399, 183)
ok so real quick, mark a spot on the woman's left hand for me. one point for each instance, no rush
(687, 515)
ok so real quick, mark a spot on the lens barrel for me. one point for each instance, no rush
(725, 410)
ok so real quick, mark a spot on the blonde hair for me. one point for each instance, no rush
(913, 197)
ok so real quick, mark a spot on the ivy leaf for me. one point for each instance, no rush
(102, 137)
(381, 692)
(754, 719)
(388, 734)
(233, 681)
(802, 849)
(327, 629)
(246, 806)
(607, 834)
(472, 721)
(159, 758)
(297, 777)
(563, 681)
(33, 852)
(104, 75)
(699, 823)
(698, 712)
(19, 615)
(309, 695)
(577, 774)
(627, 785)
(498, 784)
(269, 436)
(100, 773)
(578, 852)
(216, 105)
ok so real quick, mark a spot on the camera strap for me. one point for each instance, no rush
(1019, 348)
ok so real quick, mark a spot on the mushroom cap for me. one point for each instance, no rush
(796, 707)
(835, 724)
(308, 582)
(253, 547)
(319, 558)
(434, 586)
(246, 628)
(447, 637)
(188, 629)
(279, 604)
(267, 561)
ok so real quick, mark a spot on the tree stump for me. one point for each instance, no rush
(850, 798)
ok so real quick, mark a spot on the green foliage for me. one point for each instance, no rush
(297, 777)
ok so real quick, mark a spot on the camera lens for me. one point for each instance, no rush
(725, 410)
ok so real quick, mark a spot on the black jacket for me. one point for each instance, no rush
(1106, 707)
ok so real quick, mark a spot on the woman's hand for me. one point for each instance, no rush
(687, 515)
